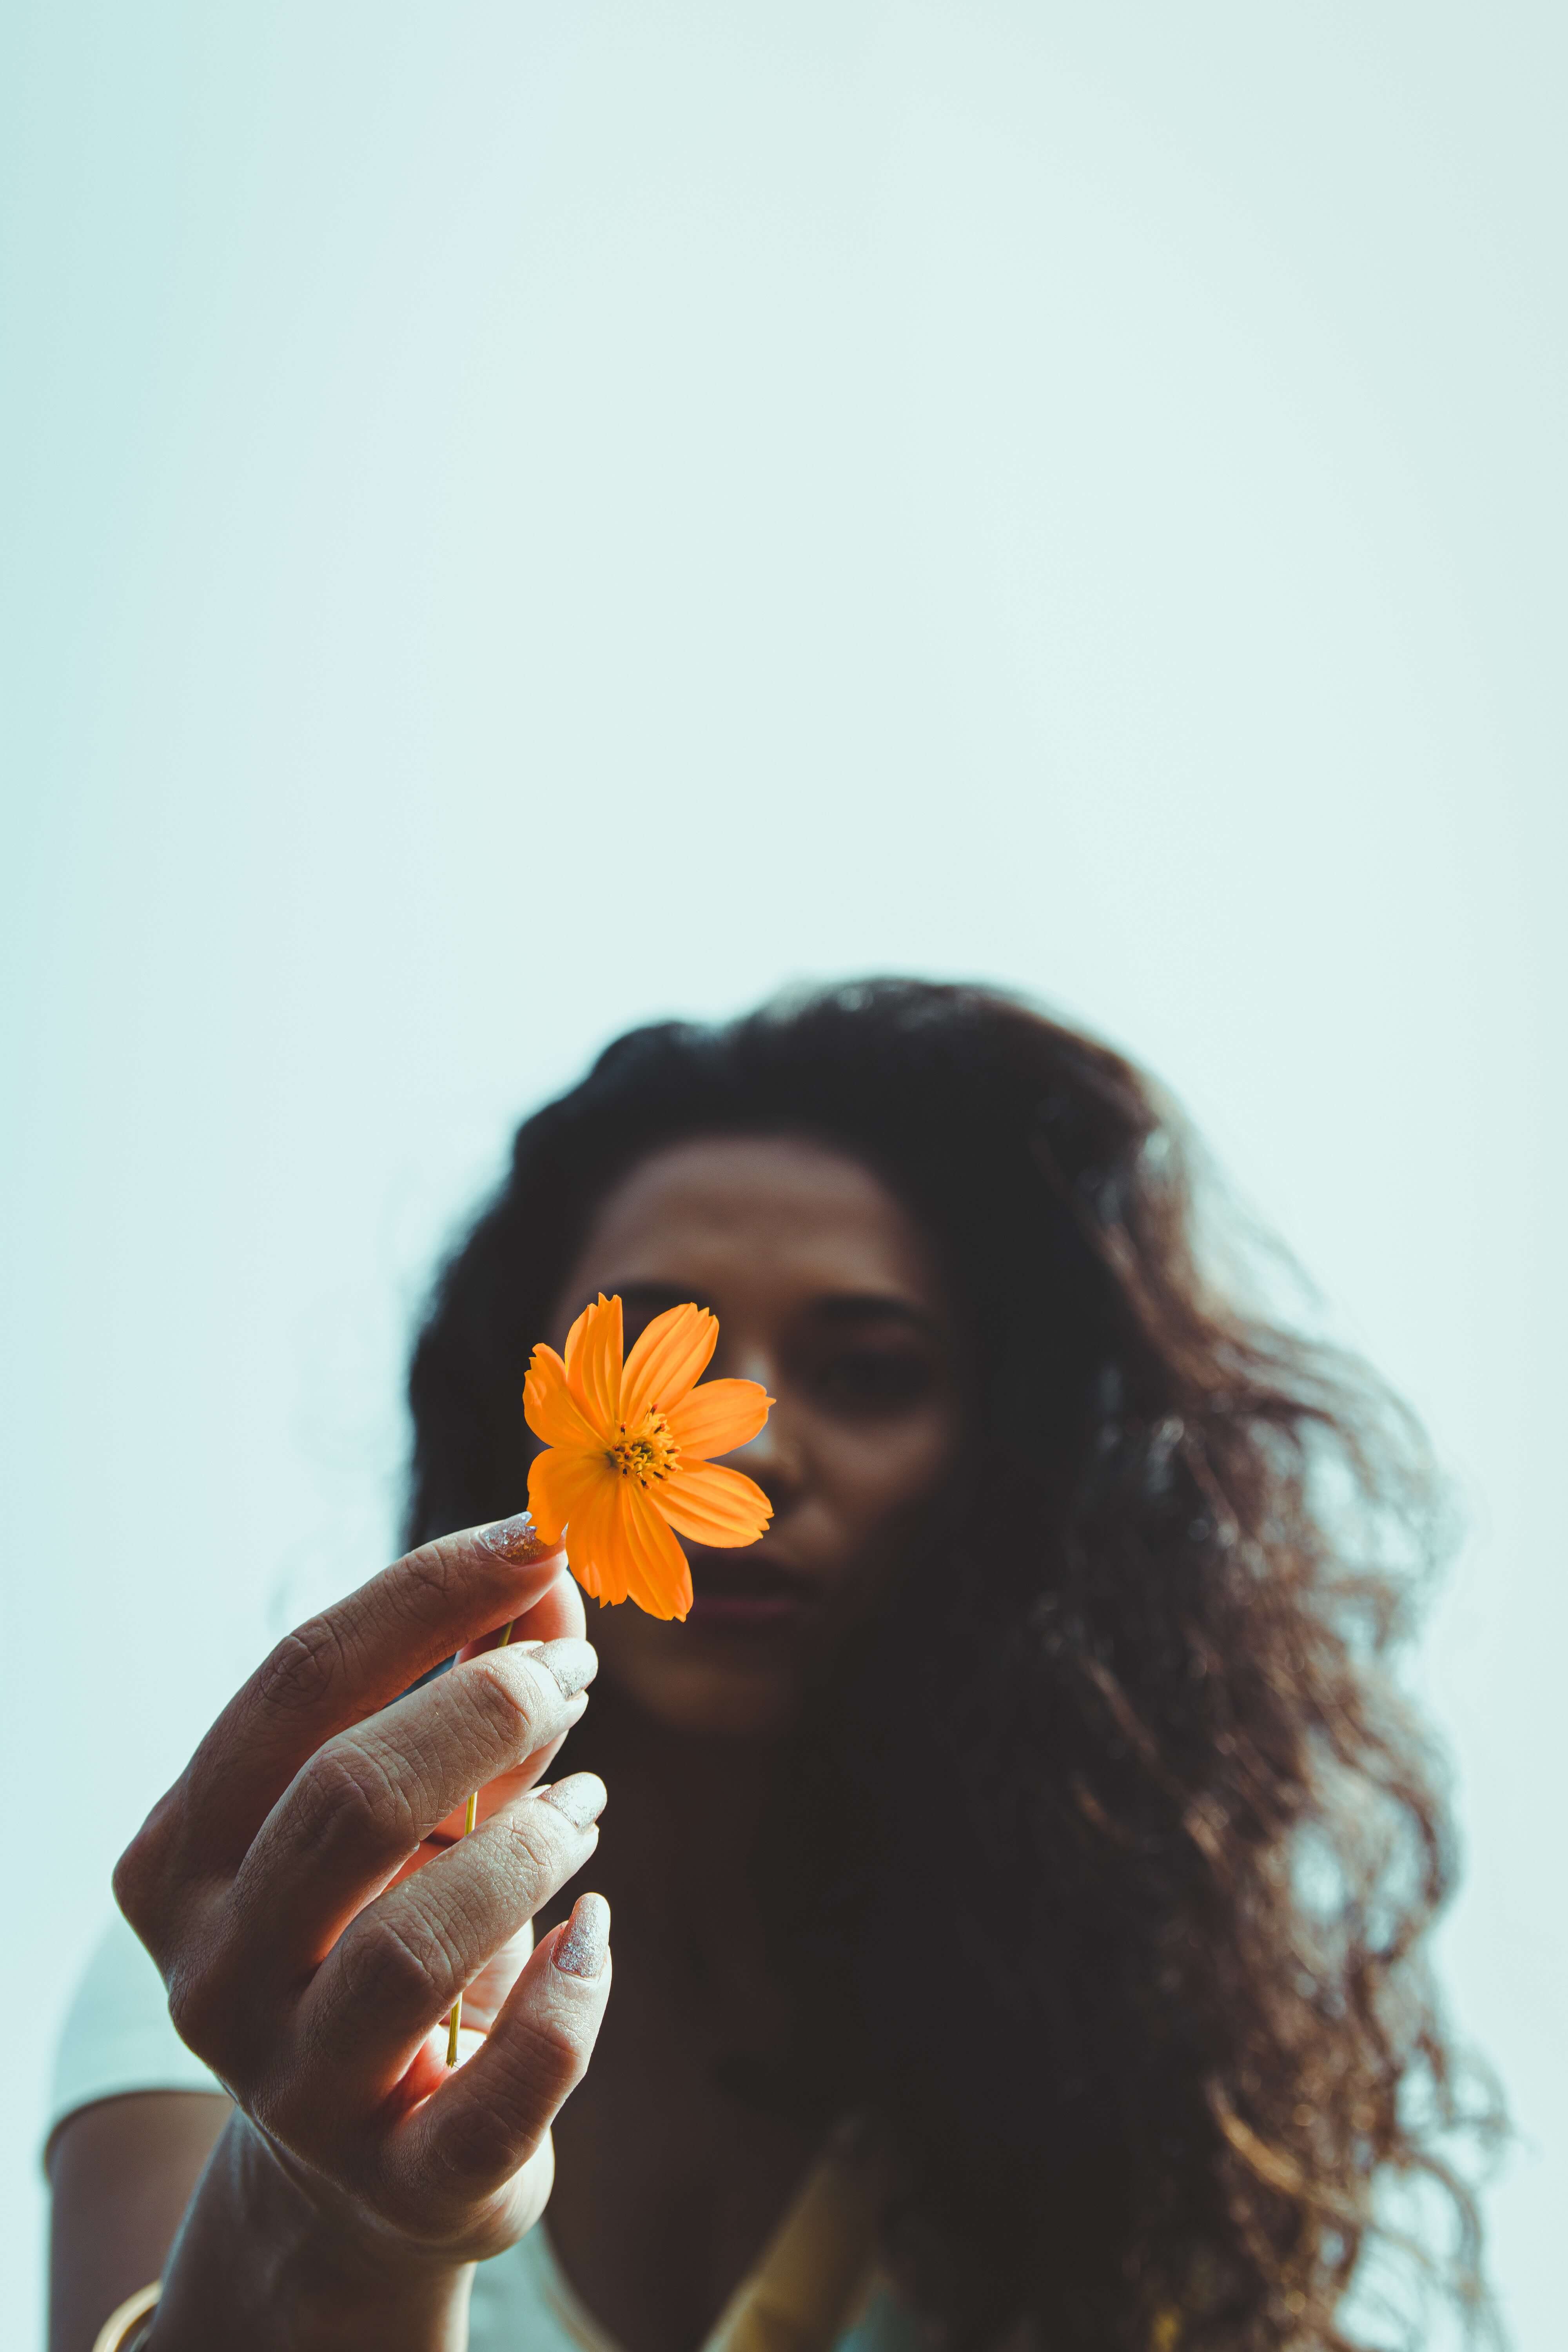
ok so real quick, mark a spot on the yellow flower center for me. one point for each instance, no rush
(648, 1452)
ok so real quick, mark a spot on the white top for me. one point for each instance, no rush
(118, 2038)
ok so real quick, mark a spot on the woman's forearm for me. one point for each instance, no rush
(259, 2263)
(121, 2173)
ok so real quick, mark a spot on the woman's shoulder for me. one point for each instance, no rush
(118, 2036)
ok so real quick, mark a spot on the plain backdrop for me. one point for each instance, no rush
(519, 519)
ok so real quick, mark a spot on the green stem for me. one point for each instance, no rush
(454, 2017)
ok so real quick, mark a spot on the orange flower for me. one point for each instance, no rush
(629, 1447)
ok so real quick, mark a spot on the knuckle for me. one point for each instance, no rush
(306, 1667)
(430, 1576)
(133, 1880)
(510, 1699)
(144, 1875)
(535, 1841)
(545, 2058)
(347, 1787)
(397, 1961)
(198, 2005)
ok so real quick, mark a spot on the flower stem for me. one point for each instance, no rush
(454, 2017)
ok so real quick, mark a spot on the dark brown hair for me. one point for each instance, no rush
(1167, 2062)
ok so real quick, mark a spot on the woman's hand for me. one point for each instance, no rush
(301, 1891)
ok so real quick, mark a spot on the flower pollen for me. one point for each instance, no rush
(648, 1454)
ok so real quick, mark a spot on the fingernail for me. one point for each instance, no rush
(571, 1663)
(515, 1539)
(582, 1798)
(585, 1948)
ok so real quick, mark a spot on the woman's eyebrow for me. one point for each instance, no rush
(880, 1306)
(833, 1306)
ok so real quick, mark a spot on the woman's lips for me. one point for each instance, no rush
(734, 1595)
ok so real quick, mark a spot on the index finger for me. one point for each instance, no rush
(346, 1664)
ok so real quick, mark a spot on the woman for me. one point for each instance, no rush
(1026, 1820)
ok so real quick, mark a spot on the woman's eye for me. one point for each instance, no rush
(874, 1376)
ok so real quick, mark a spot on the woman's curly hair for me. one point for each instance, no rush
(1165, 2064)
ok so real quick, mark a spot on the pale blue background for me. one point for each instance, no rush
(519, 518)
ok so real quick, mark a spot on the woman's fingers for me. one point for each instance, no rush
(346, 1664)
(488, 2118)
(557, 1614)
(314, 1930)
(485, 1994)
(403, 1961)
(365, 1802)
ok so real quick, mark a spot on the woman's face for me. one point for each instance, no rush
(827, 1292)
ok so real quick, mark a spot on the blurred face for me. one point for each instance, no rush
(825, 1291)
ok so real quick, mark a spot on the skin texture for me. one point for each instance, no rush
(295, 1888)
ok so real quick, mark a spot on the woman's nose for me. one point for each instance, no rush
(775, 1457)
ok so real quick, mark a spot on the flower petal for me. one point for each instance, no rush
(713, 1505)
(549, 1407)
(662, 1584)
(559, 1483)
(717, 1417)
(596, 1551)
(594, 1361)
(669, 1358)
